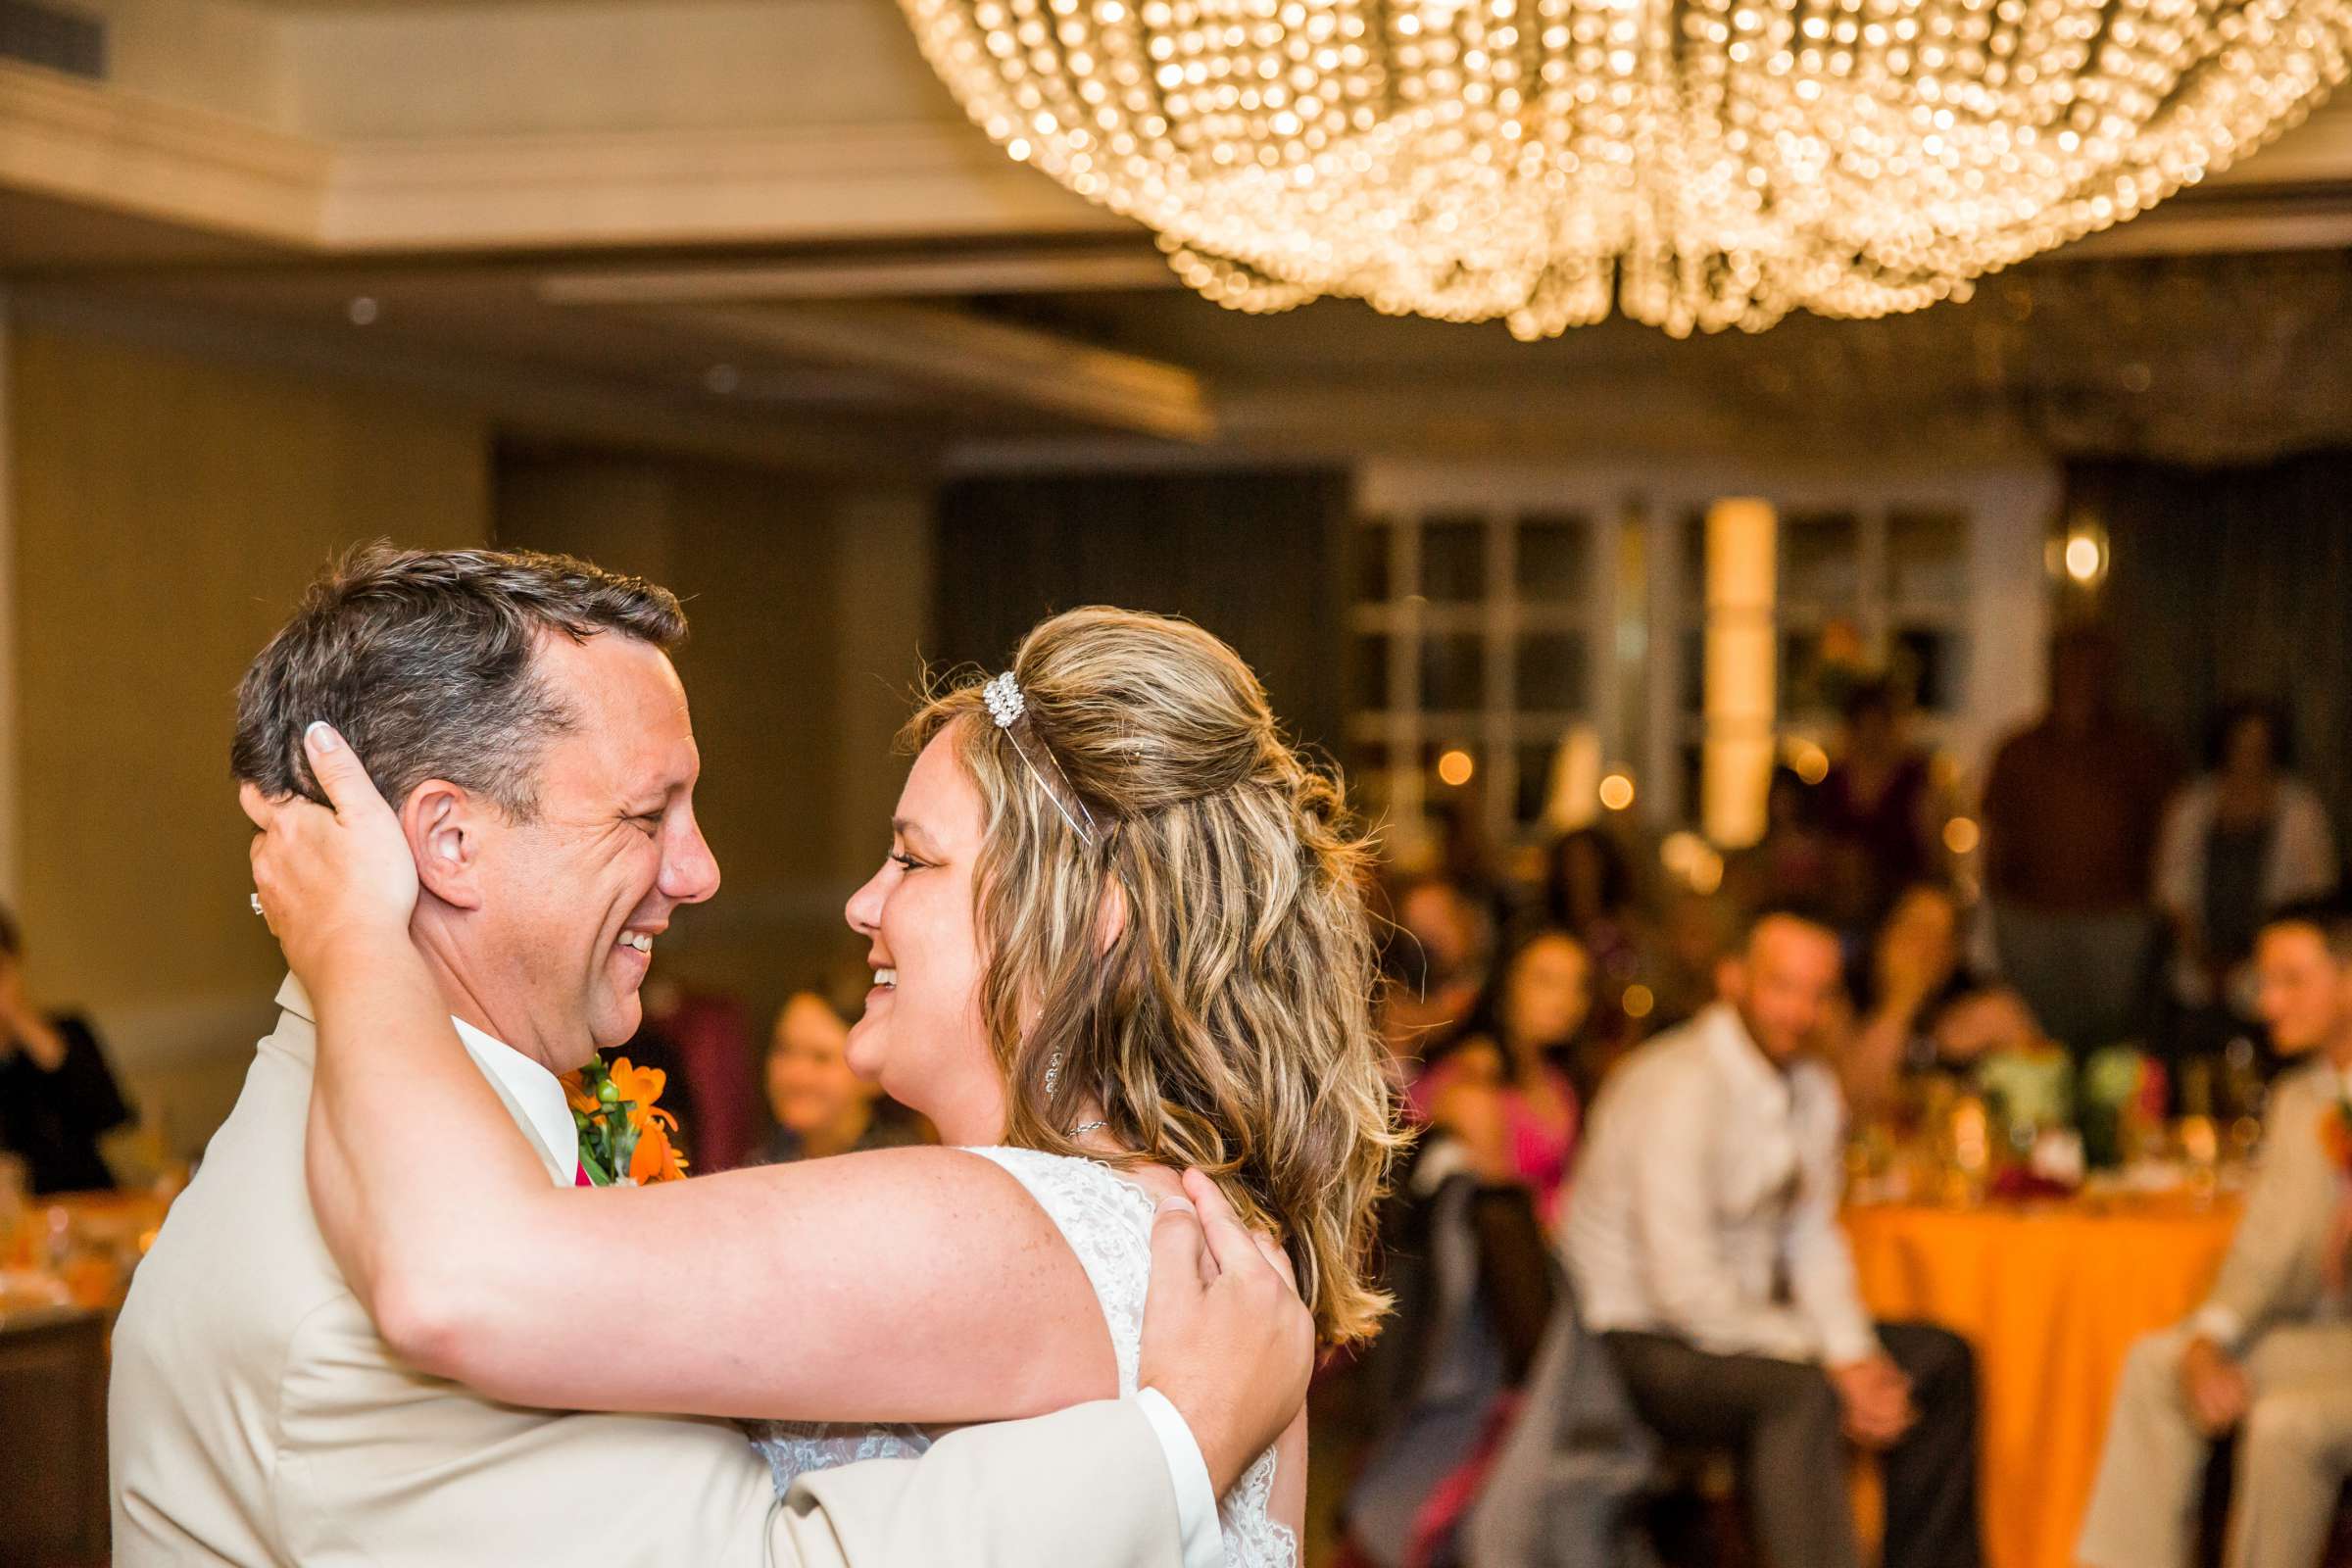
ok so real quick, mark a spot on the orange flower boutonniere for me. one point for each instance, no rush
(625, 1135)
(2335, 1136)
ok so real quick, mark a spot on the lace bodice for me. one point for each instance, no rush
(1107, 1220)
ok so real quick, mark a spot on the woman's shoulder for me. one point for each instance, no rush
(1106, 1217)
(1072, 1185)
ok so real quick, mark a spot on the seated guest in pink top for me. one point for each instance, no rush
(1504, 1084)
(821, 1106)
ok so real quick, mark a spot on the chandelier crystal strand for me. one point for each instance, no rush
(1698, 164)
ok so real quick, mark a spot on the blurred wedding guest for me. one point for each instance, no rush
(1694, 932)
(2072, 809)
(1704, 1248)
(2243, 838)
(2269, 1355)
(1879, 803)
(1796, 861)
(57, 1094)
(821, 1107)
(1464, 860)
(1513, 1052)
(1589, 892)
(1440, 945)
(1912, 972)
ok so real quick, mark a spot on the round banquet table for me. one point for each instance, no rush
(2051, 1295)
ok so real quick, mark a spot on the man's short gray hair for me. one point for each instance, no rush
(423, 660)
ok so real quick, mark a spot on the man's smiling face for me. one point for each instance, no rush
(572, 901)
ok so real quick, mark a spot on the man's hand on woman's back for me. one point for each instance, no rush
(1226, 1338)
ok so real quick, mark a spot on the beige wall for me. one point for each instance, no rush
(523, 66)
(167, 512)
(220, 56)
(527, 68)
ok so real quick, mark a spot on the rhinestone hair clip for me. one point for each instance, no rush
(1010, 711)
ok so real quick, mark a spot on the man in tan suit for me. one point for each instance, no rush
(257, 1416)
(2270, 1352)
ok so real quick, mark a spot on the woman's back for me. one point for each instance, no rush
(1106, 1217)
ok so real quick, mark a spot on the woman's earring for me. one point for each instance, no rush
(1053, 1073)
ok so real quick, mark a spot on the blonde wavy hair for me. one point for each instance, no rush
(1229, 1026)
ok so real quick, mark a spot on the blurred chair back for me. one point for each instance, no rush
(1474, 1284)
(715, 1050)
(1561, 1490)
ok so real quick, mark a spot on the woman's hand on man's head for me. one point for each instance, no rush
(333, 880)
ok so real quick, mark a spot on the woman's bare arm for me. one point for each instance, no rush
(919, 1285)
(916, 1284)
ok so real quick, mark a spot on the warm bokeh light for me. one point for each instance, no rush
(2083, 557)
(1457, 767)
(2200, 1140)
(1692, 860)
(1811, 763)
(1617, 790)
(1697, 167)
(1680, 852)
(1638, 1001)
(1972, 1135)
(1961, 835)
(1738, 670)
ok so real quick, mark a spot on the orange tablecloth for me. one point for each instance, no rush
(2051, 1296)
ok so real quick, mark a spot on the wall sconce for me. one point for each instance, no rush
(2079, 553)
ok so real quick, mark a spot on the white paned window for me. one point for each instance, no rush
(1472, 636)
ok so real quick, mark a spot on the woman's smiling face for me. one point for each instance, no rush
(923, 1036)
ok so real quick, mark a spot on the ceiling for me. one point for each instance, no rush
(42, 233)
(2198, 359)
(867, 294)
(350, 7)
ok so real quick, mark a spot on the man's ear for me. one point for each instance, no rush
(444, 825)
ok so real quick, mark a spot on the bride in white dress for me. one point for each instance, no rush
(1107, 1220)
(1119, 934)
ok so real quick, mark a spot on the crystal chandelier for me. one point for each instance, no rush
(1702, 162)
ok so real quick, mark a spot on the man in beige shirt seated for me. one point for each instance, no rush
(2269, 1355)
(258, 1417)
(1704, 1246)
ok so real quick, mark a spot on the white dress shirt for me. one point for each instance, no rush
(1711, 1179)
(534, 1088)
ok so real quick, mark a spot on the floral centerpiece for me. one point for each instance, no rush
(625, 1135)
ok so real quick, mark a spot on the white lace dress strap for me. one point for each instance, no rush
(1107, 1220)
